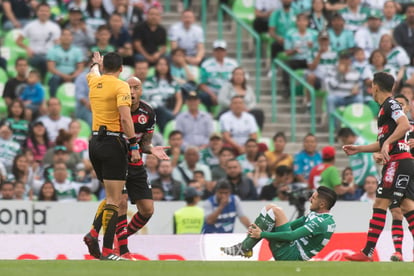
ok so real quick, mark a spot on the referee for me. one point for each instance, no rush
(110, 100)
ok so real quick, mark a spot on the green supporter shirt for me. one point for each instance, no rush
(282, 21)
(362, 164)
(330, 177)
(296, 40)
(103, 51)
(309, 235)
(343, 41)
(208, 158)
(20, 130)
(354, 20)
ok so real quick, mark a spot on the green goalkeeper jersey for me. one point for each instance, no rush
(305, 236)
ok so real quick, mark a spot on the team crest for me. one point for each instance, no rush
(142, 119)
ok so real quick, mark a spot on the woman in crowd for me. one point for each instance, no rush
(95, 14)
(79, 144)
(261, 175)
(238, 86)
(17, 120)
(38, 141)
(317, 17)
(47, 192)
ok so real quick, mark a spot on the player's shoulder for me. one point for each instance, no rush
(146, 106)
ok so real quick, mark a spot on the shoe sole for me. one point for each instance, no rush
(396, 259)
(93, 247)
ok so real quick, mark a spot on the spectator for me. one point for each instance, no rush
(82, 33)
(195, 125)
(391, 19)
(163, 93)
(47, 192)
(247, 160)
(16, 119)
(397, 57)
(188, 36)
(362, 164)
(263, 10)
(317, 18)
(368, 38)
(215, 72)
(306, 159)
(80, 145)
(14, 86)
(283, 176)
(176, 150)
(79, 4)
(95, 14)
(16, 14)
(22, 172)
(172, 188)
(157, 192)
(343, 85)
(402, 32)
(221, 210)
(280, 23)
(210, 154)
(354, 192)
(278, 157)
(183, 73)
(340, 38)
(302, 6)
(42, 34)
(8, 148)
(38, 140)
(360, 61)
(407, 91)
(370, 188)
(85, 194)
(237, 126)
(33, 95)
(146, 5)
(355, 15)
(184, 171)
(60, 154)
(299, 42)
(121, 39)
(130, 14)
(83, 106)
(206, 187)
(189, 219)
(20, 191)
(261, 174)
(224, 155)
(320, 63)
(54, 121)
(241, 185)
(7, 190)
(141, 68)
(103, 35)
(150, 38)
(151, 166)
(374, 5)
(238, 86)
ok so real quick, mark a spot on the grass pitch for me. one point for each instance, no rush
(197, 268)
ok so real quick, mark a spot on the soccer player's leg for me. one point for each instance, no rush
(407, 204)
(267, 222)
(91, 238)
(397, 232)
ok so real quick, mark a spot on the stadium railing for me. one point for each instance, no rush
(241, 25)
(277, 64)
(167, 7)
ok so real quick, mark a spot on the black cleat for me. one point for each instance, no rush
(93, 245)
(237, 250)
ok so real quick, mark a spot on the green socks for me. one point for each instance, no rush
(266, 222)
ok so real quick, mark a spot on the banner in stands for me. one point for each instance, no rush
(184, 247)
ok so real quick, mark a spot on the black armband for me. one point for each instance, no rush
(93, 64)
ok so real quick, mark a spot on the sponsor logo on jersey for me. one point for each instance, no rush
(142, 119)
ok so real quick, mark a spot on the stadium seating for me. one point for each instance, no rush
(244, 9)
(370, 131)
(66, 95)
(169, 127)
(11, 51)
(85, 131)
(358, 115)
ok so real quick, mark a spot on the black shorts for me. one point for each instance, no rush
(397, 176)
(108, 155)
(137, 184)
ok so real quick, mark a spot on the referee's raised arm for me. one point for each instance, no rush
(110, 100)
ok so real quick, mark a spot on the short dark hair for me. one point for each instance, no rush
(42, 4)
(283, 170)
(250, 140)
(384, 81)
(223, 185)
(175, 132)
(229, 149)
(346, 132)
(328, 195)
(401, 96)
(198, 171)
(112, 62)
(103, 27)
(177, 50)
(279, 134)
(20, 59)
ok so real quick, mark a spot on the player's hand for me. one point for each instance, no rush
(159, 152)
(350, 149)
(378, 158)
(254, 231)
(97, 58)
(384, 151)
(411, 143)
(135, 156)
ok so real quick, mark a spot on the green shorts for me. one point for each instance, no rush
(284, 251)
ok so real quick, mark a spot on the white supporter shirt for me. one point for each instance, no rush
(188, 39)
(268, 5)
(53, 126)
(240, 128)
(41, 36)
(367, 40)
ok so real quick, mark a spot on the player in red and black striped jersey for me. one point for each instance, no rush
(137, 185)
(397, 183)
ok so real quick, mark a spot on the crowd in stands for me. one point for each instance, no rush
(206, 110)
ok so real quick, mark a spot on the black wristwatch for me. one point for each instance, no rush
(93, 64)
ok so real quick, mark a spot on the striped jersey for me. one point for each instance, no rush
(354, 20)
(343, 41)
(362, 164)
(296, 40)
(214, 74)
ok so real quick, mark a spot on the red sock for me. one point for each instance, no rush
(137, 222)
(397, 234)
(376, 225)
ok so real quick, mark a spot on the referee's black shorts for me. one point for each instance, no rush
(137, 184)
(108, 155)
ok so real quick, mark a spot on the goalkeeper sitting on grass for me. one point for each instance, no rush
(291, 241)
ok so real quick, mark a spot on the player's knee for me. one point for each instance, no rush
(271, 206)
(123, 204)
(146, 211)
